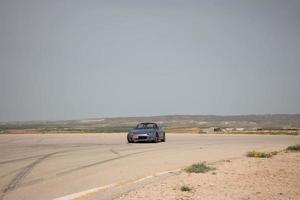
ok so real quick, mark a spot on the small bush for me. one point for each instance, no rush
(199, 168)
(185, 188)
(257, 154)
(294, 148)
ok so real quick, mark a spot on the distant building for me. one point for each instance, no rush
(212, 130)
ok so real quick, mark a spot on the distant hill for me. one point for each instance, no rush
(199, 121)
(276, 120)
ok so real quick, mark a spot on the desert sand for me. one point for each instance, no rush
(244, 178)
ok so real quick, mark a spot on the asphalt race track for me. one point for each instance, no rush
(49, 166)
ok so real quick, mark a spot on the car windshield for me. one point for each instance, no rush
(145, 126)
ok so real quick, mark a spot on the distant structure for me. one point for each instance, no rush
(212, 130)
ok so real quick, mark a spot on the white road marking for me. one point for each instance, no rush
(83, 193)
(142, 179)
(167, 172)
(97, 189)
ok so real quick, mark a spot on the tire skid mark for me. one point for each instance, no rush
(74, 146)
(92, 164)
(100, 162)
(89, 165)
(37, 180)
(37, 156)
(86, 166)
(114, 152)
(58, 174)
(31, 182)
(11, 172)
(14, 183)
(19, 159)
(71, 145)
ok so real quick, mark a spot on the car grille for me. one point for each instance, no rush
(142, 137)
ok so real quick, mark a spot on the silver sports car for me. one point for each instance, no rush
(146, 132)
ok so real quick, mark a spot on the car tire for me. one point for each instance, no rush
(156, 138)
(129, 141)
(164, 138)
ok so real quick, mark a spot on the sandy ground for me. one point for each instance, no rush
(245, 178)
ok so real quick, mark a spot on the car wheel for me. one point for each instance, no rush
(156, 138)
(129, 141)
(164, 137)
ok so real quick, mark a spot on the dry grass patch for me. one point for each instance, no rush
(257, 154)
(185, 188)
(294, 148)
(199, 168)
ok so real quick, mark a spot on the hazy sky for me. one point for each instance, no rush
(81, 59)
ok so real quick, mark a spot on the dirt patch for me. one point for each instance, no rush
(246, 178)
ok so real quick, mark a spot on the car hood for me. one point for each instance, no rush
(142, 131)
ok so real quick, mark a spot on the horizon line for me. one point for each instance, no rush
(146, 116)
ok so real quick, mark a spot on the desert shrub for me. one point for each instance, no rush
(294, 148)
(199, 168)
(257, 154)
(185, 188)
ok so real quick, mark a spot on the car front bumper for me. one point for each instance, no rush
(141, 138)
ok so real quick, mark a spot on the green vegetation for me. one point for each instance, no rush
(2, 131)
(257, 154)
(89, 130)
(294, 148)
(185, 188)
(199, 168)
(65, 128)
